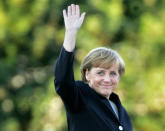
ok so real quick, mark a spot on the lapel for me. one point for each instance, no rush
(108, 108)
(114, 97)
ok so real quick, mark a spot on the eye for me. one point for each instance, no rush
(113, 73)
(101, 73)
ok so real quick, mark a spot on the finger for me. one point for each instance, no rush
(64, 14)
(73, 9)
(77, 11)
(69, 11)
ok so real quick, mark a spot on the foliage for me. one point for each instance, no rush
(31, 35)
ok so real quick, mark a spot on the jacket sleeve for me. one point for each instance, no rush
(64, 80)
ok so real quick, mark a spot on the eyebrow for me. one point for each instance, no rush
(101, 69)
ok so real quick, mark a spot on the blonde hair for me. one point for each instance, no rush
(104, 58)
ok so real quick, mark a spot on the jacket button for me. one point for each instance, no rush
(120, 128)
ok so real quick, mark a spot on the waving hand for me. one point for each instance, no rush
(73, 21)
(72, 18)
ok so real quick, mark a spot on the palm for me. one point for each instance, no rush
(72, 17)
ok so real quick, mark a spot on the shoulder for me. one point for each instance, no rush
(83, 87)
(81, 83)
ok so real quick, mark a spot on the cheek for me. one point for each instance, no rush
(115, 80)
(95, 81)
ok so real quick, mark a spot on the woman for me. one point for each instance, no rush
(90, 104)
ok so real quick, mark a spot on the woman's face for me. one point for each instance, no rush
(103, 81)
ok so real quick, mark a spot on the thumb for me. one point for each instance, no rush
(82, 17)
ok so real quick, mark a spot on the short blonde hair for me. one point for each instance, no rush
(104, 58)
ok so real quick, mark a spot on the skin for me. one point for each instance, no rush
(103, 81)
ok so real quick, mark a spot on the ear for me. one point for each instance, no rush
(87, 75)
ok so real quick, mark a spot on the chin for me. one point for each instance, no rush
(106, 94)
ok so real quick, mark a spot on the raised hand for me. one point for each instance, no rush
(73, 22)
(72, 18)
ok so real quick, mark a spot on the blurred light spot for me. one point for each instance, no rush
(7, 105)
(151, 27)
(55, 111)
(54, 116)
(17, 2)
(22, 26)
(114, 14)
(18, 81)
(2, 93)
(94, 24)
(149, 2)
(141, 109)
(48, 127)
(55, 106)
(157, 103)
(121, 93)
(80, 54)
(40, 42)
(39, 7)
(39, 76)
(11, 124)
(3, 17)
(59, 36)
(115, 9)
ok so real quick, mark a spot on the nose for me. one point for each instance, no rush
(110, 79)
(107, 78)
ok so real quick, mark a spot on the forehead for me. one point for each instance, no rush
(112, 68)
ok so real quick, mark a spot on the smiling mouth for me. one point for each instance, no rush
(107, 86)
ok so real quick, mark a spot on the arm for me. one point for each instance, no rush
(64, 76)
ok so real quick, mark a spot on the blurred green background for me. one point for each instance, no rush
(31, 35)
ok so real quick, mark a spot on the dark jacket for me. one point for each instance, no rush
(85, 109)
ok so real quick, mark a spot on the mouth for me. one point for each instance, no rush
(107, 86)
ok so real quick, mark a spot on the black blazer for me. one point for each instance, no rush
(85, 109)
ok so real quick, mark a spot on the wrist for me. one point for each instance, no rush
(70, 40)
(71, 31)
